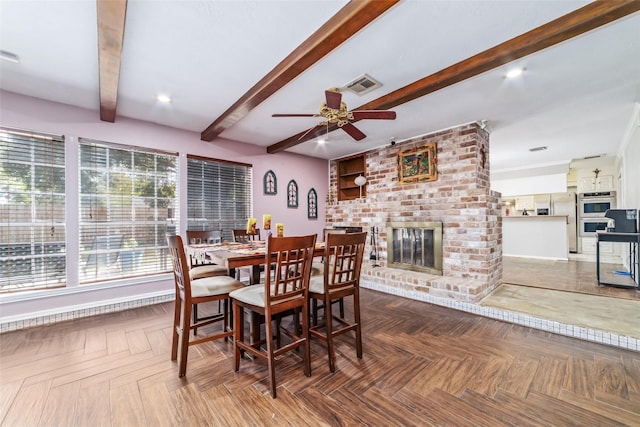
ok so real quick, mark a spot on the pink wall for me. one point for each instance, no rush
(49, 117)
(43, 116)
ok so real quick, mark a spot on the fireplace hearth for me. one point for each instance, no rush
(415, 246)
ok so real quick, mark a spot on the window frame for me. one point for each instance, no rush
(137, 202)
(205, 210)
(41, 158)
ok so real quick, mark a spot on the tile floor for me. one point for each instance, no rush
(567, 294)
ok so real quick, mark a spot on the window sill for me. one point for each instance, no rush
(79, 289)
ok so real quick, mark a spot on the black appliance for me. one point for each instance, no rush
(626, 220)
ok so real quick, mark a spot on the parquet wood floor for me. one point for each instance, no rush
(423, 365)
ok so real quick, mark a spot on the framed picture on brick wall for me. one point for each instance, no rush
(418, 164)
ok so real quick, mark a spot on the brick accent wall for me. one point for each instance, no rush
(460, 198)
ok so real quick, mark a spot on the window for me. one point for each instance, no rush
(32, 211)
(128, 203)
(218, 195)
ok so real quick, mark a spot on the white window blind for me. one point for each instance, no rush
(128, 203)
(218, 194)
(32, 211)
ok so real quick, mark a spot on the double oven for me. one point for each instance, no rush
(592, 207)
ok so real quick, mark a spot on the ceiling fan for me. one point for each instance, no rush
(335, 112)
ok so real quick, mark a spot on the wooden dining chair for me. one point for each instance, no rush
(199, 269)
(242, 236)
(188, 294)
(317, 269)
(286, 291)
(342, 263)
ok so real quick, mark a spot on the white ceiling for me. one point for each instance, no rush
(577, 98)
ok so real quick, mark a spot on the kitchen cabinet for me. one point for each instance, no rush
(602, 183)
(588, 245)
(524, 202)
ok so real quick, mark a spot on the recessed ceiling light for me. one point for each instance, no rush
(321, 141)
(513, 73)
(8, 56)
(163, 98)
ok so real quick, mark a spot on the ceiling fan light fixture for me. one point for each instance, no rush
(334, 112)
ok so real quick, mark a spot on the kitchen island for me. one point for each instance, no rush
(535, 236)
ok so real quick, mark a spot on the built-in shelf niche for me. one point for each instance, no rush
(348, 169)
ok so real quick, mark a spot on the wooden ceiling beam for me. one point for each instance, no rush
(354, 16)
(578, 22)
(111, 18)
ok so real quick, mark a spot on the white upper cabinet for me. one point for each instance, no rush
(524, 202)
(602, 183)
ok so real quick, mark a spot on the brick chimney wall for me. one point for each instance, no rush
(460, 198)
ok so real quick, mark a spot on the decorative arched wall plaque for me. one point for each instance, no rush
(270, 183)
(292, 194)
(312, 204)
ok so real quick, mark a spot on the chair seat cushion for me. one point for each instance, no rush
(316, 284)
(209, 270)
(317, 268)
(217, 285)
(253, 295)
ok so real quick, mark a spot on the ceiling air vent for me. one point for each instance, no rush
(363, 84)
(534, 149)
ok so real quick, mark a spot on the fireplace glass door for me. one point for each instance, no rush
(416, 247)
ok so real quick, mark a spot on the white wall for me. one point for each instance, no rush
(43, 116)
(630, 164)
(535, 180)
(532, 185)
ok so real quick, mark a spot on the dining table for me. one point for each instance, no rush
(234, 255)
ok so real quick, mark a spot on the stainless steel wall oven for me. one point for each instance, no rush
(589, 226)
(594, 205)
(591, 209)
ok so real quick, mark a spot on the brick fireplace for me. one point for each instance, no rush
(460, 199)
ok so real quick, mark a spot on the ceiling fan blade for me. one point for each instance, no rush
(333, 99)
(317, 130)
(354, 132)
(374, 114)
(293, 115)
